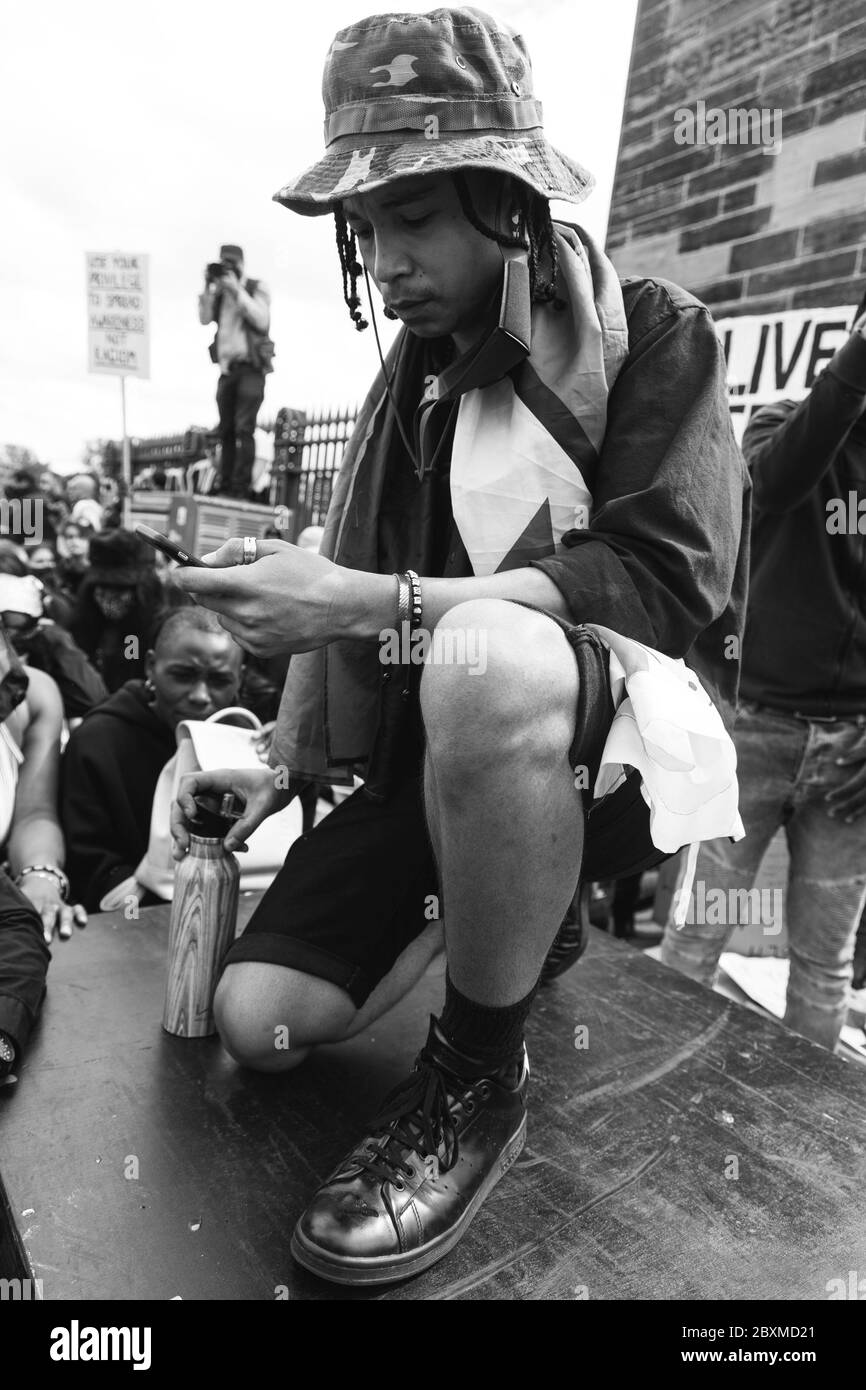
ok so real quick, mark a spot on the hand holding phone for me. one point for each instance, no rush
(168, 547)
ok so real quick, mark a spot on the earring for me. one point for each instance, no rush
(150, 687)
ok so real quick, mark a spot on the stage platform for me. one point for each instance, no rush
(679, 1146)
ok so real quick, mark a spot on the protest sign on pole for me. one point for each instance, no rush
(118, 328)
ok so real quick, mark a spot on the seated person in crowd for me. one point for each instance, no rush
(113, 759)
(73, 552)
(42, 561)
(116, 605)
(92, 513)
(34, 891)
(111, 504)
(263, 686)
(82, 487)
(37, 504)
(24, 958)
(43, 643)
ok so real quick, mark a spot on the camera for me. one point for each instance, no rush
(215, 270)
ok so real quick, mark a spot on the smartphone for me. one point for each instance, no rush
(168, 547)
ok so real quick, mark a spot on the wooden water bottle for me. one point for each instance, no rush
(203, 918)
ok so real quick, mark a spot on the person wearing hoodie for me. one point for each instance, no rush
(116, 604)
(113, 759)
(801, 727)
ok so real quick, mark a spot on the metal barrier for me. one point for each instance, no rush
(308, 450)
(326, 432)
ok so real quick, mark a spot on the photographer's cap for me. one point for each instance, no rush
(427, 94)
(233, 253)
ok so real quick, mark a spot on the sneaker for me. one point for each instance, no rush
(407, 1193)
(571, 940)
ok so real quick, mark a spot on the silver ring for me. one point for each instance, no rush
(250, 546)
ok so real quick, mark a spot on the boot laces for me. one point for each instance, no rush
(416, 1116)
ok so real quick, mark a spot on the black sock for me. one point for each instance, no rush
(493, 1035)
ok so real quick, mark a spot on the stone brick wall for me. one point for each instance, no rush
(749, 227)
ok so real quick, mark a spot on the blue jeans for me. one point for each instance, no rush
(786, 765)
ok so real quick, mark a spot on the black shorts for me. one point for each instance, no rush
(357, 889)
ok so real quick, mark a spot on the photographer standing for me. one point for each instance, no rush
(241, 309)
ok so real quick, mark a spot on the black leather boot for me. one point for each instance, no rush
(572, 938)
(407, 1193)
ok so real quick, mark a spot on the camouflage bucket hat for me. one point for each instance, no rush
(410, 94)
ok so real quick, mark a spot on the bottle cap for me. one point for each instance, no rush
(215, 815)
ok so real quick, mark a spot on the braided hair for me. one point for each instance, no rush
(534, 230)
(347, 248)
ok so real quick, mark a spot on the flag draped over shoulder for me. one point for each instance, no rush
(523, 463)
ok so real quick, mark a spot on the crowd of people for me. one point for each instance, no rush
(101, 656)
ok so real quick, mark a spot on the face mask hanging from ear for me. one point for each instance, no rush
(13, 678)
(509, 341)
(504, 347)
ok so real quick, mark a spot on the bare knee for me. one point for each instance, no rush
(246, 1033)
(269, 1016)
(517, 696)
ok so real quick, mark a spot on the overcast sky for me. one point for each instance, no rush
(165, 128)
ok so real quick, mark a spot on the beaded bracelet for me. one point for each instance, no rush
(54, 873)
(415, 599)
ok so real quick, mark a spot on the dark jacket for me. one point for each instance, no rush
(805, 644)
(24, 959)
(52, 650)
(58, 603)
(665, 559)
(108, 642)
(109, 773)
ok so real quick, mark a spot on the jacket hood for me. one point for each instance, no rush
(129, 704)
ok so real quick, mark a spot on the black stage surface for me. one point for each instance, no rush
(690, 1150)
